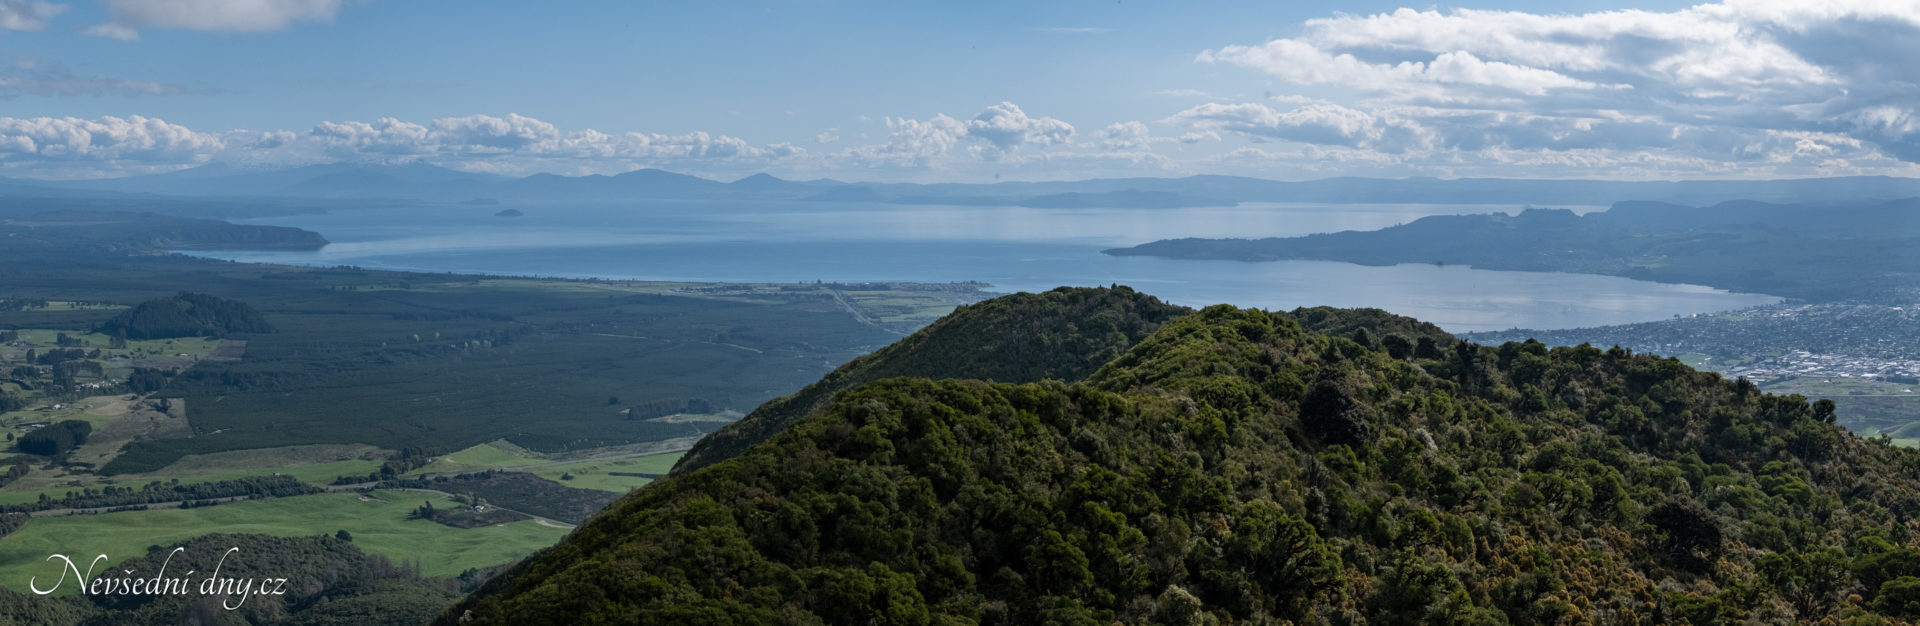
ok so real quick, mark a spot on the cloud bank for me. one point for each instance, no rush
(1735, 89)
(1743, 81)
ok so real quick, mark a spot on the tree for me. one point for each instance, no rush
(1811, 581)
(1330, 414)
(1823, 410)
(1397, 346)
(1900, 596)
(1691, 536)
(343, 535)
(1284, 555)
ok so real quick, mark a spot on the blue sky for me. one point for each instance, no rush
(965, 91)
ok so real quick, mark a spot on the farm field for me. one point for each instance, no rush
(596, 474)
(587, 473)
(316, 464)
(486, 456)
(378, 525)
(543, 376)
(397, 360)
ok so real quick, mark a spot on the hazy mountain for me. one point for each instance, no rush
(1826, 253)
(768, 184)
(421, 181)
(643, 183)
(1126, 199)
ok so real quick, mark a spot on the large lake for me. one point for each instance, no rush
(1015, 249)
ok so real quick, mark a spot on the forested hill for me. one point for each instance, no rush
(186, 315)
(1064, 334)
(1234, 467)
(1865, 252)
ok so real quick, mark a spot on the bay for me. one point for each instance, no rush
(1012, 248)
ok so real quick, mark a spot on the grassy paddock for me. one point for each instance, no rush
(592, 474)
(485, 456)
(317, 464)
(380, 526)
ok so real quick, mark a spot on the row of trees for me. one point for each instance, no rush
(158, 492)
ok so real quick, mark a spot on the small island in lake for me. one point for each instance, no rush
(509, 213)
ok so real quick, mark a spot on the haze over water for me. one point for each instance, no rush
(1012, 248)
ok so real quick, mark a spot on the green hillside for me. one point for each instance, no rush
(1064, 334)
(1235, 468)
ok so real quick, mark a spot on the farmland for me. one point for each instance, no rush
(394, 360)
(378, 523)
(354, 371)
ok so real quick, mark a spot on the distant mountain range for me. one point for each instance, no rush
(1827, 252)
(430, 183)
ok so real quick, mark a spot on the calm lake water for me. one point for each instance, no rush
(1015, 249)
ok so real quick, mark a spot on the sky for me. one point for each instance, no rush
(967, 92)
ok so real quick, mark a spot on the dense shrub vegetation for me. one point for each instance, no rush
(1235, 468)
(1064, 334)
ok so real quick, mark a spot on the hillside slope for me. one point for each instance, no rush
(1233, 467)
(1063, 334)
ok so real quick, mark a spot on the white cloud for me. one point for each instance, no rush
(942, 140)
(1007, 127)
(827, 136)
(1710, 77)
(252, 16)
(1301, 62)
(27, 15)
(1324, 124)
(514, 136)
(920, 140)
(1125, 136)
(516, 144)
(484, 133)
(134, 138)
(1199, 137)
(385, 136)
